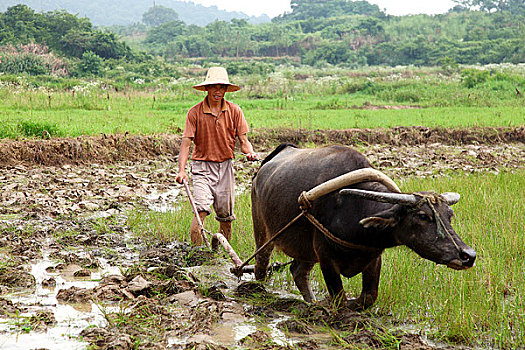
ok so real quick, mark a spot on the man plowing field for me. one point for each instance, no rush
(213, 126)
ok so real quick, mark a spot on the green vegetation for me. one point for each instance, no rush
(352, 34)
(290, 98)
(349, 34)
(63, 32)
(481, 307)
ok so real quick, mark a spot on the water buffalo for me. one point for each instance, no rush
(363, 218)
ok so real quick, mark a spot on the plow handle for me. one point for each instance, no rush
(196, 212)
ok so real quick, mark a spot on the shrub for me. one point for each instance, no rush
(247, 68)
(23, 63)
(37, 129)
(471, 77)
(90, 65)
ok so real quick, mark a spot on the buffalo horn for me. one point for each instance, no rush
(385, 197)
(451, 197)
(353, 177)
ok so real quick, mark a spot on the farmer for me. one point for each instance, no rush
(213, 126)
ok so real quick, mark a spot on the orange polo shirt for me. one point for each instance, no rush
(214, 137)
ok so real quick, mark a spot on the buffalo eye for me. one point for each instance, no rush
(421, 215)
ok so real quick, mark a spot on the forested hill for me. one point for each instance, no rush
(316, 33)
(125, 12)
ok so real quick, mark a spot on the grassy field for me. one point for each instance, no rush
(482, 306)
(336, 99)
(144, 114)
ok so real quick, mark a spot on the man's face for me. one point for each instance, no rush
(216, 91)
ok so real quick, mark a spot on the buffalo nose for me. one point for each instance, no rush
(468, 257)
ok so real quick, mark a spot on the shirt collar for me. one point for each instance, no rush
(206, 107)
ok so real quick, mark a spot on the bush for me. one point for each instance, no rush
(248, 68)
(90, 65)
(471, 77)
(23, 63)
(36, 129)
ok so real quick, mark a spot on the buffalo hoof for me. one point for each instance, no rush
(355, 305)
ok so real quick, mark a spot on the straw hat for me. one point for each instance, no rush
(217, 75)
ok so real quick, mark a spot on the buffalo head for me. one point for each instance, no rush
(421, 221)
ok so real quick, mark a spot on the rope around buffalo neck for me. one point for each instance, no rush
(305, 206)
(432, 199)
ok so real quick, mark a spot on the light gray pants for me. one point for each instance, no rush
(214, 184)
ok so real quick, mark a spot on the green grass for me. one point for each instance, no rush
(481, 306)
(307, 99)
(143, 115)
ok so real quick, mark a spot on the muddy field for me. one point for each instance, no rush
(69, 280)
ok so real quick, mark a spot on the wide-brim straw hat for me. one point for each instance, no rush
(217, 75)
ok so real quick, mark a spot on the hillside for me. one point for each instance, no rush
(124, 12)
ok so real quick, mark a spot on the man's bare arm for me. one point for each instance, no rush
(184, 154)
(247, 148)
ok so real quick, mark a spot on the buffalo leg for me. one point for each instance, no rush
(301, 275)
(333, 281)
(370, 277)
(262, 260)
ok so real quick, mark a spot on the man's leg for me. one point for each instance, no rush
(196, 234)
(225, 198)
(226, 229)
(203, 197)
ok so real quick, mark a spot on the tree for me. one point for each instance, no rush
(516, 7)
(90, 64)
(310, 9)
(22, 22)
(222, 37)
(166, 32)
(59, 23)
(158, 15)
(106, 45)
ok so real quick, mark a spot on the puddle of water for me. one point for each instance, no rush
(164, 202)
(71, 319)
(53, 339)
(229, 334)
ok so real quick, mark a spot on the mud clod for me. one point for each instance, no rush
(106, 340)
(7, 307)
(75, 295)
(42, 320)
(251, 289)
(294, 326)
(16, 277)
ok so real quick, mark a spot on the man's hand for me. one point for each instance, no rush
(252, 156)
(181, 177)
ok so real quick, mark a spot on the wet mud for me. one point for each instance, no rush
(69, 280)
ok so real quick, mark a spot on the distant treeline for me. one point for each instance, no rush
(352, 33)
(317, 33)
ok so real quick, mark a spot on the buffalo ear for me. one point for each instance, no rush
(377, 222)
(381, 220)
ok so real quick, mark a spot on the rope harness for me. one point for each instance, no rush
(305, 205)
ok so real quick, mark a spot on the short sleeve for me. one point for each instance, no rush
(241, 124)
(190, 127)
